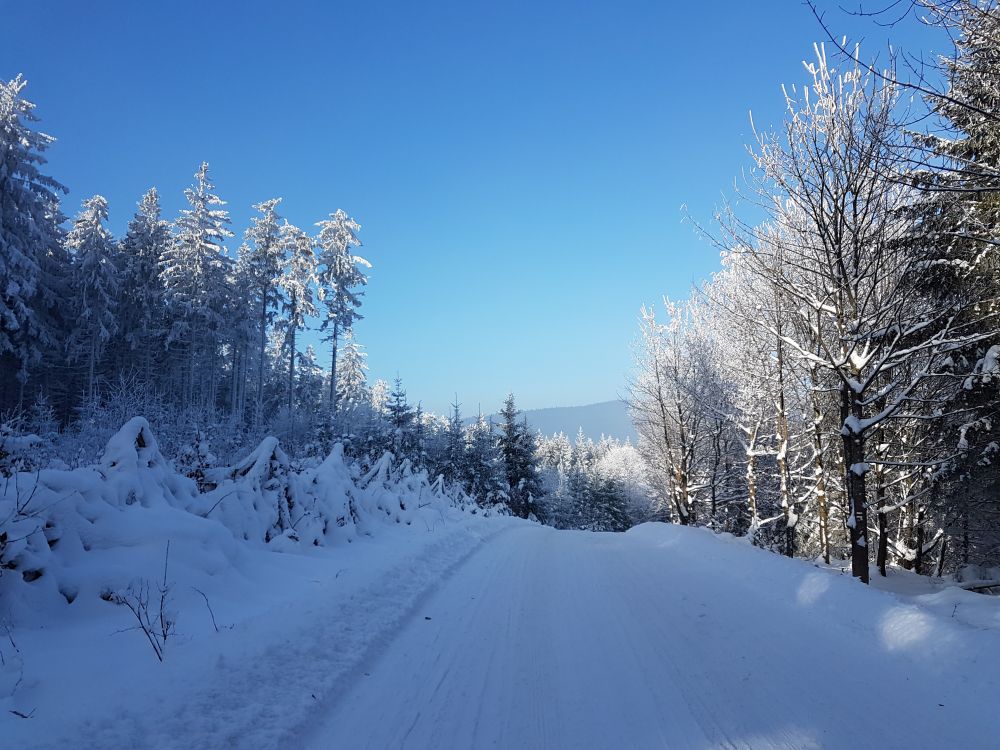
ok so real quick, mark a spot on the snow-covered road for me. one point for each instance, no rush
(664, 637)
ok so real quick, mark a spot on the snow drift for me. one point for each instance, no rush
(70, 537)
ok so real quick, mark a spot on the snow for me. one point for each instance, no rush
(664, 637)
(387, 614)
(347, 557)
(291, 627)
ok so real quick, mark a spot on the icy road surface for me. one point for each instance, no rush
(663, 637)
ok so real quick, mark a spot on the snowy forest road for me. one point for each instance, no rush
(665, 637)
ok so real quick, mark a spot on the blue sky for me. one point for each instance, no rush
(518, 168)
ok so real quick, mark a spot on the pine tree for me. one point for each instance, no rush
(485, 479)
(517, 451)
(243, 338)
(29, 232)
(297, 282)
(95, 281)
(261, 259)
(339, 277)
(957, 229)
(141, 298)
(352, 386)
(194, 275)
(310, 379)
(402, 417)
(455, 448)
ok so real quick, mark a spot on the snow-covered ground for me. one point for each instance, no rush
(665, 637)
(475, 632)
(291, 632)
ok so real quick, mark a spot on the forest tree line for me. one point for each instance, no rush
(166, 322)
(832, 391)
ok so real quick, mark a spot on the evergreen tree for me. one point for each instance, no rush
(339, 277)
(95, 281)
(194, 273)
(484, 477)
(261, 259)
(297, 283)
(352, 386)
(957, 231)
(608, 507)
(141, 299)
(29, 233)
(402, 417)
(310, 379)
(517, 451)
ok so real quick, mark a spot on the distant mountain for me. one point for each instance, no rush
(606, 418)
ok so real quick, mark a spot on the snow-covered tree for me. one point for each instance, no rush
(340, 280)
(261, 258)
(140, 302)
(485, 477)
(297, 284)
(352, 383)
(29, 232)
(95, 280)
(403, 419)
(517, 451)
(194, 272)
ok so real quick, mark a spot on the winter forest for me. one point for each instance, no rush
(832, 390)
(195, 459)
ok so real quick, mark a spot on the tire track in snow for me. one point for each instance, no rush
(262, 698)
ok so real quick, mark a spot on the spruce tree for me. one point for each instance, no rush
(402, 418)
(517, 449)
(29, 234)
(194, 272)
(352, 386)
(260, 261)
(340, 277)
(297, 282)
(141, 298)
(95, 281)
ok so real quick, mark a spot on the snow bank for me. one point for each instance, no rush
(67, 535)
(930, 617)
(74, 542)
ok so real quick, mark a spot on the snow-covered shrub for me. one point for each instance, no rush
(79, 533)
(258, 497)
(196, 458)
(99, 531)
(332, 513)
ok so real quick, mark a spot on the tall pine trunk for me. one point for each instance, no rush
(90, 369)
(291, 366)
(333, 371)
(259, 406)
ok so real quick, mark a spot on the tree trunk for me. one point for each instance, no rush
(787, 511)
(259, 406)
(751, 451)
(918, 561)
(291, 367)
(854, 481)
(883, 539)
(90, 370)
(333, 371)
(819, 471)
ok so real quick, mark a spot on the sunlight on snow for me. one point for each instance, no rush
(904, 627)
(813, 587)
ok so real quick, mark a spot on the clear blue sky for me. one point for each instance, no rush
(518, 168)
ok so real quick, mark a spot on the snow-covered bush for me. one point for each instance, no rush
(98, 532)
(79, 533)
(256, 498)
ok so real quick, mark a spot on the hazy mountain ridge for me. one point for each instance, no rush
(605, 418)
